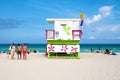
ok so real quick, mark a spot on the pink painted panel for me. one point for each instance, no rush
(50, 34)
(79, 33)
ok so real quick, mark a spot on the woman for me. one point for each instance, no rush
(12, 50)
(24, 51)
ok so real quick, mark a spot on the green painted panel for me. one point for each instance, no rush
(55, 55)
(67, 30)
(63, 42)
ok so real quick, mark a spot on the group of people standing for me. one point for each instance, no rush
(21, 50)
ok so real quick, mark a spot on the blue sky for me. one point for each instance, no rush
(24, 21)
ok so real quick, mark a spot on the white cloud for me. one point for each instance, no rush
(94, 19)
(108, 28)
(91, 37)
(113, 29)
(103, 12)
(100, 29)
(116, 38)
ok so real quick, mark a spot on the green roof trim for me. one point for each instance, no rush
(63, 41)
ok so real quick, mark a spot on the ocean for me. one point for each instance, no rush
(83, 47)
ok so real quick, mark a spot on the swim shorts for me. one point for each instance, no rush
(24, 52)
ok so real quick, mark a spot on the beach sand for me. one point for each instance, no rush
(38, 67)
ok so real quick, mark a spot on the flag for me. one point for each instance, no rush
(81, 24)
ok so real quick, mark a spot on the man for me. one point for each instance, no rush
(19, 51)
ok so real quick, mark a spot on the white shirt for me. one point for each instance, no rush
(13, 48)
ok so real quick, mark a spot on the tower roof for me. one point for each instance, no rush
(52, 20)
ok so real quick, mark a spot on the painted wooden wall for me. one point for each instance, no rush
(63, 29)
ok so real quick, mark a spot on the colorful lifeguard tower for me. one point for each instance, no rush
(63, 41)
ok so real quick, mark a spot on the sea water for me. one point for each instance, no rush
(83, 47)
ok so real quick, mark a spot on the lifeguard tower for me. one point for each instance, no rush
(63, 41)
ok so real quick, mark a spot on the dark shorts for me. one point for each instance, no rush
(19, 52)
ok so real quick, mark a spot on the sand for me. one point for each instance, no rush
(38, 67)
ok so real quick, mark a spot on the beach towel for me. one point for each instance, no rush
(113, 53)
(9, 48)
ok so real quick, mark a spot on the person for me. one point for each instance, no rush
(99, 50)
(19, 51)
(12, 50)
(9, 49)
(24, 51)
(91, 50)
(107, 51)
(112, 53)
